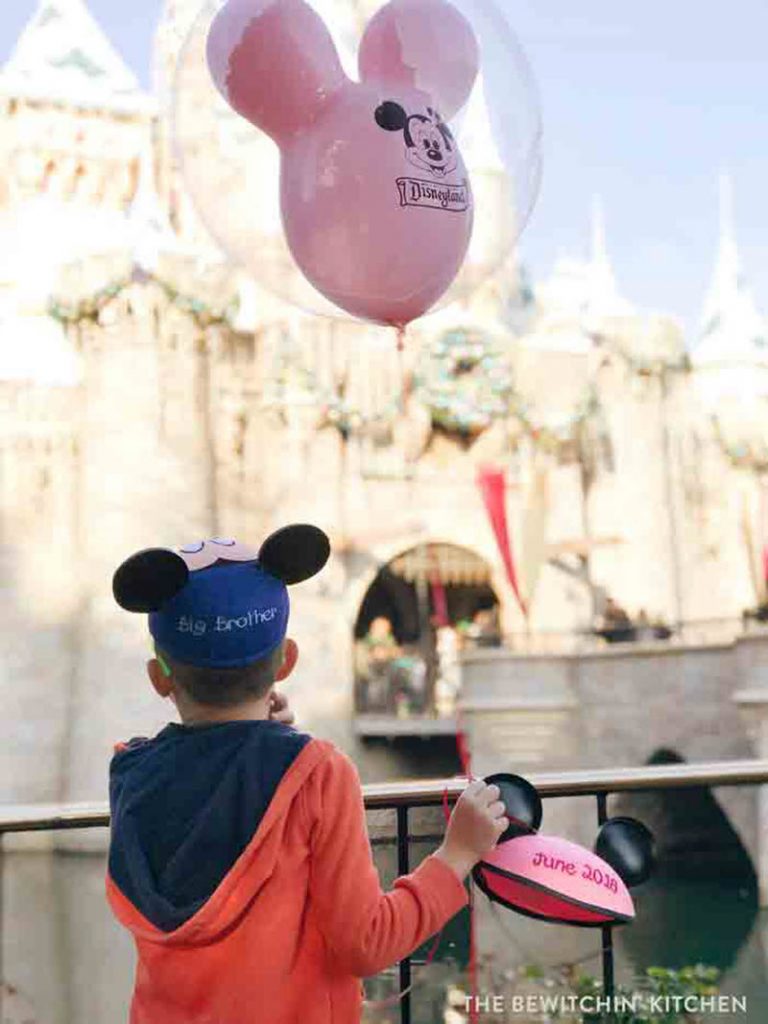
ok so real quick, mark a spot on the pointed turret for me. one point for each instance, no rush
(63, 56)
(585, 290)
(603, 298)
(176, 21)
(732, 330)
(150, 231)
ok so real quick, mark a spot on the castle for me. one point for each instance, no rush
(150, 394)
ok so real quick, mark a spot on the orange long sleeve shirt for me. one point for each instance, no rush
(298, 919)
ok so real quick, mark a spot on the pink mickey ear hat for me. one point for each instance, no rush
(552, 879)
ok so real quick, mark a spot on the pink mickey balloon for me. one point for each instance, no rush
(375, 198)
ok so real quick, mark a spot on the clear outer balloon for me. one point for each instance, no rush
(375, 199)
(397, 183)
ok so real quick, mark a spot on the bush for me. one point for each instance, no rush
(657, 996)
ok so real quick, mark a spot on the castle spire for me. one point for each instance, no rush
(63, 56)
(732, 330)
(604, 291)
(151, 231)
(603, 297)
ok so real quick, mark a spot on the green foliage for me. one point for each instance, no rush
(670, 986)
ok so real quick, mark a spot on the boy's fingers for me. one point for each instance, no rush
(285, 716)
(279, 710)
(497, 808)
(490, 794)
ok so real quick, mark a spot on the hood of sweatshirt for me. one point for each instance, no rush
(189, 807)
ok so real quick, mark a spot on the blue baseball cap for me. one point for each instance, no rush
(218, 603)
(226, 616)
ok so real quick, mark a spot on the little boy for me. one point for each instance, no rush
(239, 857)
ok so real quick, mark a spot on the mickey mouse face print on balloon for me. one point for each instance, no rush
(376, 201)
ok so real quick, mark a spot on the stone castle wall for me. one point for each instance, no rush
(166, 440)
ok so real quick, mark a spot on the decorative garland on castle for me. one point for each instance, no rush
(464, 381)
(641, 366)
(745, 455)
(338, 412)
(90, 309)
(550, 438)
(467, 384)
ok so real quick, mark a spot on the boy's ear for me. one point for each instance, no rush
(162, 685)
(295, 553)
(146, 580)
(290, 657)
(274, 63)
(422, 44)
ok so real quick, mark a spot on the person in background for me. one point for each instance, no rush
(484, 631)
(380, 640)
(616, 624)
(661, 631)
(643, 627)
(448, 680)
(381, 650)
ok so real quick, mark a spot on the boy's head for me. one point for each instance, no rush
(221, 687)
(218, 611)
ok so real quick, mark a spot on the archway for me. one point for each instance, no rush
(701, 905)
(422, 607)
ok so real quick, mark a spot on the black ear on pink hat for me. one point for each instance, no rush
(295, 553)
(146, 580)
(522, 804)
(628, 846)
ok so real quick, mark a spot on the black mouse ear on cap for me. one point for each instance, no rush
(628, 846)
(294, 553)
(522, 804)
(146, 580)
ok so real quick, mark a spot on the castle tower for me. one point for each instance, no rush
(75, 114)
(580, 295)
(731, 352)
(177, 20)
(728, 390)
(73, 123)
(78, 397)
(76, 123)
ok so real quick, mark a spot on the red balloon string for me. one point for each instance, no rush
(384, 1004)
(406, 379)
(462, 746)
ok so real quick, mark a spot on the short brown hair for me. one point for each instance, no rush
(226, 687)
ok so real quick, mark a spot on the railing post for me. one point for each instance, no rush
(402, 869)
(2, 929)
(606, 931)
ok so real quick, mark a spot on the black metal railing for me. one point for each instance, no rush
(403, 796)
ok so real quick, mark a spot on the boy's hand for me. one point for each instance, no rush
(279, 710)
(477, 821)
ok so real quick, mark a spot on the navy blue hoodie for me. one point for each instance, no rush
(185, 804)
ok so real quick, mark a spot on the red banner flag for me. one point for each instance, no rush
(492, 484)
(439, 600)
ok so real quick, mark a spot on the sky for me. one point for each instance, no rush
(644, 104)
